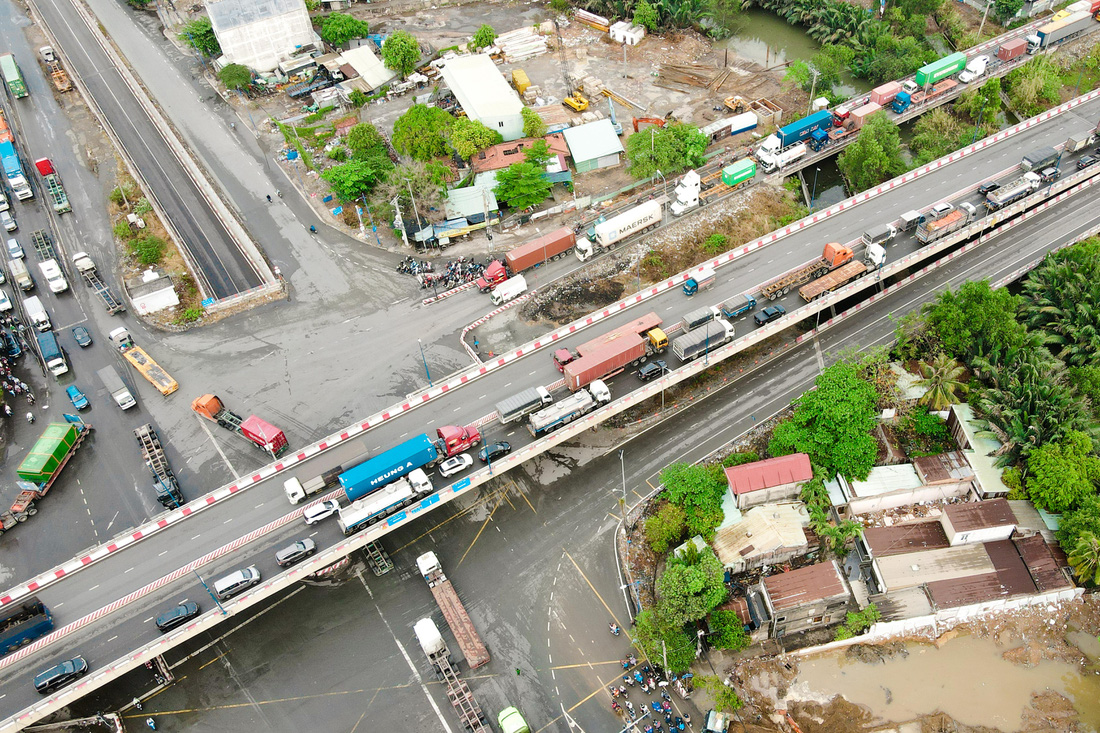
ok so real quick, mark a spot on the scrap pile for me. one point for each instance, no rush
(681, 77)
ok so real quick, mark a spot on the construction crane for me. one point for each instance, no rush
(573, 97)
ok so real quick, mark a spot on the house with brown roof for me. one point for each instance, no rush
(498, 157)
(764, 482)
(811, 597)
(926, 479)
(978, 521)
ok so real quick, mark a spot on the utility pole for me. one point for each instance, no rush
(813, 88)
(985, 15)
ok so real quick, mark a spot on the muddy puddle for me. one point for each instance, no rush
(967, 678)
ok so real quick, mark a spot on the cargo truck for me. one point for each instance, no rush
(1013, 49)
(733, 176)
(296, 489)
(453, 611)
(43, 464)
(385, 502)
(906, 98)
(773, 162)
(21, 275)
(938, 70)
(1039, 159)
(52, 353)
(13, 171)
(695, 344)
(260, 433)
(881, 234)
(116, 388)
(874, 258)
(13, 77)
(701, 280)
(144, 363)
(833, 256)
(1013, 192)
(699, 317)
(1059, 31)
(414, 453)
(23, 621)
(975, 69)
(1077, 143)
(739, 306)
(58, 198)
(685, 196)
(565, 411)
(796, 132)
(931, 229)
(910, 220)
(550, 246)
(87, 270)
(511, 288)
(647, 326)
(36, 312)
(609, 233)
(524, 403)
(613, 357)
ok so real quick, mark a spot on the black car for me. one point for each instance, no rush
(60, 675)
(988, 188)
(297, 552)
(11, 343)
(82, 337)
(493, 451)
(1086, 162)
(652, 370)
(769, 314)
(177, 616)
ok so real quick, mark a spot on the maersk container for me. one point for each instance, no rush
(800, 130)
(389, 466)
(47, 453)
(738, 172)
(938, 70)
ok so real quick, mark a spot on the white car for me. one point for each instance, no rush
(315, 513)
(454, 464)
(54, 277)
(5, 302)
(8, 222)
(14, 250)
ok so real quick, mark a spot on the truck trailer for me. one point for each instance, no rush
(13, 77)
(550, 246)
(938, 70)
(453, 611)
(796, 132)
(154, 373)
(695, 344)
(1059, 31)
(931, 229)
(13, 171)
(647, 326)
(609, 233)
(260, 433)
(87, 269)
(511, 288)
(833, 256)
(1013, 192)
(388, 500)
(1039, 159)
(874, 258)
(565, 411)
(458, 692)
(58, 198)
(41, 467)
(523, 403)
(419, 452)
(772, 162)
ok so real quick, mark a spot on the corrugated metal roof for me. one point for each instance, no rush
(772, 472)
(762, 531)
(369, 67)
(805, 585)
(945, 468)
(906, 538)
(965, 591)
(227, 14)
(480, 87)
(979, 515)
(591, 141)
(1010, 567)
(469, 201)
(886, 480)
(928, 566)
(1045, 568)
(903, 604)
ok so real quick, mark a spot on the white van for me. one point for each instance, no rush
(54, 277)
(35, 311)
(508, 289)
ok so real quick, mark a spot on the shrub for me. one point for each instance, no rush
(559, 6)
(665, 527)
(142, 207)
(339, 154)
(716, 244)
(739, 459)
(122, 230)
(148, 249)
(729, 632)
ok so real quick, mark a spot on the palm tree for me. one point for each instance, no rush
(1085, 558)
(941, 378)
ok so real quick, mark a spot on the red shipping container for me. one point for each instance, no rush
(606, 360)
(264, 434)
(1016, 47)
(638, 327)
(540, 250)
(885, 94)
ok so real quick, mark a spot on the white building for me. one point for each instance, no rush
(260, 33)
(485, 95)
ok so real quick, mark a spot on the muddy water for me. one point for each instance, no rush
(967, 679)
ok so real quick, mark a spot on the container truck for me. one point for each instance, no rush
(458, 692)
(576, 405)
(41, 467)
(414, 453)
(647, 326)
(297, 489)
(771, 163)
(23, 621)
(796, 132)
(165, 485)
(938, 70)
(509, 289)
(13, 77)
(13, 171)
(523, 403)
(860, 114)
(975, 69)
(739, 306)
(1013, 49)
(873, 259)
(613, 357)
(685, 196)
(699, 317)
(494, 274)
(260, 433)
(1013, 192)
(910, 220)
(885, 94)
(697, 343)
(52, 353)
(550, 246)
(609, 233)
(833, 256)
(1039, 159)
(87, 270)
(453, 611)
(1059, 31)
(931, 229)
(36, 312)
(388, 500)
(699, 281)
(58, 198)
(154, 373)
(738, 172)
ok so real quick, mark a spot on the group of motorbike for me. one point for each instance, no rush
(456, 272)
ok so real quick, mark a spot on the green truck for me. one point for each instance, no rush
(12, 76)
(43, 464)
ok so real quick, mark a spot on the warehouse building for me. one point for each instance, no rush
(593, 146)
(484, 94)
(260, 33)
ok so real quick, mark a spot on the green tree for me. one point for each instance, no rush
(1062, 474)
(1085, 559)
(697, 490)
(469, 137)
(941, 379)
(427, 184)
(937, 133)
(690, 587)
(982, 105)
(725, 699)
(199, 35)
(484, 37)
(235, 76)
(339, 28)
(1034, 86)
(1073, 525)
(892, 57)
(657, 640)
(357, 97)
(148, 249)
(353, 179)
(645, 15)
(365, 140)
(670, 149)
(1086, 383)
(875, 156)
(716, 244)
(1007, 9)
(422, 132)
(401, 53)
(665, 528)
(729, 632)
(832, 424)
(538, 154)
(522, 185)
(533, 126)
(857, 622)
(974, 319)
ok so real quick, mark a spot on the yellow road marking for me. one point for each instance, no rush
(483, 526)
(594, 591)
(214, 660)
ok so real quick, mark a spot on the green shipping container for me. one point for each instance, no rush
(12, 77)
(738, 172)
(940, 70)
(48, 453)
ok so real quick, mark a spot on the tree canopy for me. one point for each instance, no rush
(533, 126)
(484, 37)
(235, 76)
(521, 185)
(339, 28)
(364, 140)
(974, 318)
(427, 182)
(698, 490)
(422, 132)
(645, 15)
(670, 149)
(199, 35)
(355, 178)
(1062, 474)
(401, 53)
(690, 587)
(875, 156)
(469, 137)
(678, 647)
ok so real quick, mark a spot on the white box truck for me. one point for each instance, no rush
(508, 289)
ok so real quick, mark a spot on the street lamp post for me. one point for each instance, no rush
(622, 465)
(706, 347)
(813, 193)
(216, 601)
(425, 360)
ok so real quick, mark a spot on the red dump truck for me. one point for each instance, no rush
(550, 246)
(449, 603)
(261, 433)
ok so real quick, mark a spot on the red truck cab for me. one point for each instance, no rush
(454, 439)
(563, 357)
(494, 274)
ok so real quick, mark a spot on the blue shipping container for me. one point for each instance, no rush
(12, 166)
(387, 467)
(23, 623)
(801, 129)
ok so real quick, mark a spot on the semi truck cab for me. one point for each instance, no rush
(454, 440)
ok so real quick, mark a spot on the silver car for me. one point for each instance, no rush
(238, 582)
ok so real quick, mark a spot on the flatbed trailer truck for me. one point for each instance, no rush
(458, 692)
(833, 256)
(164, 481)
(453, 611)
(87, 269)
(874, 259)
(154, 373)
(58, 198)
